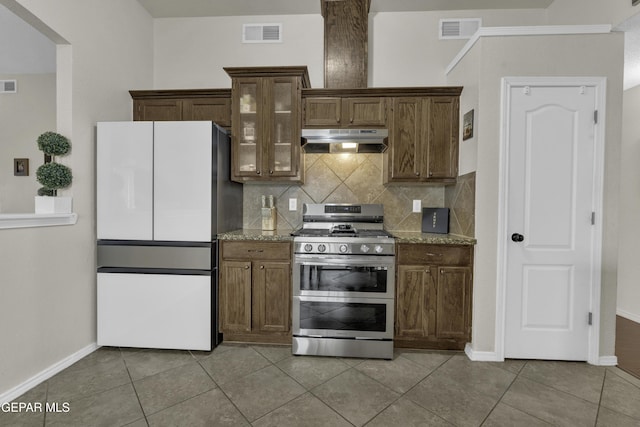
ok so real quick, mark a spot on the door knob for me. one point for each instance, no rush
(517, 237)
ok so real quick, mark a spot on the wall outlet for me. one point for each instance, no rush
(293, 204)
(417, 206)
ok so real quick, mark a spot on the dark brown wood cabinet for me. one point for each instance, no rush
(423, 140)
(255, 291)
(177, 105)
(336, 112)
(433, 296)
(266, 117)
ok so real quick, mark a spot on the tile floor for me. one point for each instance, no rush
(251, 385)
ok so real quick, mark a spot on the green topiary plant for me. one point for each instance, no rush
(53, 176)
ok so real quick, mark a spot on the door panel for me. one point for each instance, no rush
(182, 181)
(124, 175)
(235, 296)
(550, 192)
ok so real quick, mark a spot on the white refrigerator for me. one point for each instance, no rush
(163, 194)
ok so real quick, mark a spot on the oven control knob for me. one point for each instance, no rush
(308, 247)
(378, 249)
(364, 248)
(322, 248)
(343, 249)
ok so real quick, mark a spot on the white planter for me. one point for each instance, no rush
(53, 205)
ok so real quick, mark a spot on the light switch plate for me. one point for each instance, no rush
(293, 204)
(417, 206)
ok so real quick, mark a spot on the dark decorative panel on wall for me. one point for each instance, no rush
(345, 43)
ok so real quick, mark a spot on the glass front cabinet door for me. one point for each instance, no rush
(266, 120)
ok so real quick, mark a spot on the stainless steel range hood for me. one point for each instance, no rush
(344, 140)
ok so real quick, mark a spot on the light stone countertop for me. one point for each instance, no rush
(401, 237)
(432, 238)
(279, 235)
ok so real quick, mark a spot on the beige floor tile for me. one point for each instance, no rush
(144, 363)
(306, 410)
(311, 371)
(262, 391)
(273, 353)
(406, 413)
(621, 396)
(212, 408)
(399, 374)
(355, 396)
(577, 378)
(609, 418)
(556, 407)
(116, 407)
(233, 364)
(167, 388)
(451, 400)
(504, 415)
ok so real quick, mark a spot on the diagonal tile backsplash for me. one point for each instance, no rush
(343, 178)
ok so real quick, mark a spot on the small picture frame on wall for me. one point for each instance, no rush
(21, 167)
(467, 125)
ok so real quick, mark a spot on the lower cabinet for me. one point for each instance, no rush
(433, 296)
(255, 291)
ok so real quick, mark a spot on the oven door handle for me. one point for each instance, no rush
(366, 261)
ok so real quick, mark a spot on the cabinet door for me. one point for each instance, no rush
(282, 127)
(322, 112)
(235, 296)
(364, 112)
(217, 110)
(454, 303)
(272, 296)
(406, 140)
(247, 111)
(158, 110)
(415, 302)
(443, 137)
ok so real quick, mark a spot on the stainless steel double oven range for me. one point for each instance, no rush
(343, 282)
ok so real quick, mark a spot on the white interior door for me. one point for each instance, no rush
(550, 200)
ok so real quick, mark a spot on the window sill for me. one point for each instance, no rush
(29, 220)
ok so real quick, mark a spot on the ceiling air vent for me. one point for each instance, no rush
(459, 28)
(261, 33)
(8, 86)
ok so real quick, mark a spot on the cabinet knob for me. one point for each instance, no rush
(430, 173)
(258, 172)
(271, 172)
(262, 267)
(246, 267)
(417, 173)
(351, 121)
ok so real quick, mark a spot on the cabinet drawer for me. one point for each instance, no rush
(256, 250)
(422, 254)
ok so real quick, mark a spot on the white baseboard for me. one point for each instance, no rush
(607, 361)
(481, 356)
(629, 316)
(44, 375)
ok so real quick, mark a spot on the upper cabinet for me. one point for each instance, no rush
(423, 140)
(176, 105)
(266, 117)
(356, 112)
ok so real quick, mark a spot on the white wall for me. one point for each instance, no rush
(48, 281)
(590, 11)
(593, 55)
(628, 265)
(404, 49)
(190, 52)
(23, 117)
